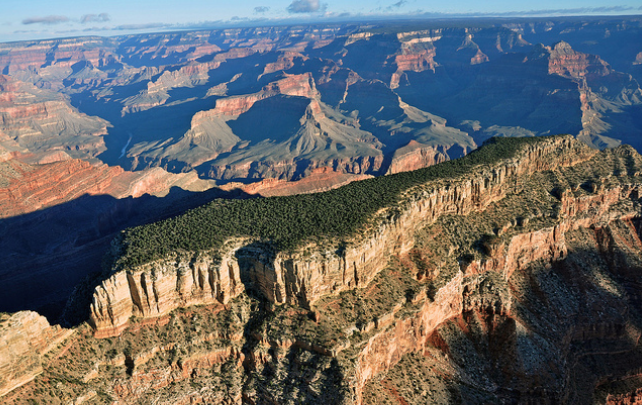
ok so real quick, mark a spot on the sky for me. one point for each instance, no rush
(41, 19)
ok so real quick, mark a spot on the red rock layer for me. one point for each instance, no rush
(564, 61)
(285, 62)
(321, 179)
(64, 53)
(287, 169)
(292, 85)
(28, 187)
(40, 186)
(411, 60)
(25, 338)
(415, 156)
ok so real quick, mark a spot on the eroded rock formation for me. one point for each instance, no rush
(532, 263)
(24, 338)
(515, 283)
(301, 278)
(190, 100)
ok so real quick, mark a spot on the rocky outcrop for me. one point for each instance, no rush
(292, 85)
(417, 54)
(504, 294)
(41, 121)
(302, 278)
(289, 169)
(63, 52)
(158, 288)
(285, 62)
(530, 263)
(565, 61)
(24, 338)
(157, 92)
(415, 156)
(29, 187)
(321, 179)
(38, 186)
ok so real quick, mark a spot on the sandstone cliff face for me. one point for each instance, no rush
(285, 62)
(417, 53)
(565, 61)
(59, 214)
(41, 121)
(29, 187)
(532, 264)
(158, 288)
(66, 52)
(300, 278)
(291, 85)
(33, 187)
(24, 338)
(157, 92)
(415, 156)
(320, 180)
(290, 169)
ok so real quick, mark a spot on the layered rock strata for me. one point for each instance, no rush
(531, 264)
(153, 290)
(26, 187)
(301, 278)
(24, 338)
(42, 121)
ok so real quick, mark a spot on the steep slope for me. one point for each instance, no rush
(27, 187)
(478, 280)
(57, 218)
(297, 134)
(25, 338)
(280, 319)
(43, 121)
(191, 100)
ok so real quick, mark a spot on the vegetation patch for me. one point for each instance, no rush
(287, 222)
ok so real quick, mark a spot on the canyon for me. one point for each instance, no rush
(58, 216)
(356, 98)
(320, 214)
(513, 280)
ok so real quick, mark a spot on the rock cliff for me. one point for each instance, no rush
(515, 281)
(301, 278)
(66, 52)
(42, 121)
(291, 85)
(28, 187)
(565, 61)
(24, 338)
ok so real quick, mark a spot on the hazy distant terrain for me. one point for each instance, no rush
(281, 101)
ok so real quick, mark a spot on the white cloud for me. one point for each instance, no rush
(306, 6)
(48, 20)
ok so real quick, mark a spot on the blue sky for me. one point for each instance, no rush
(36, 19)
